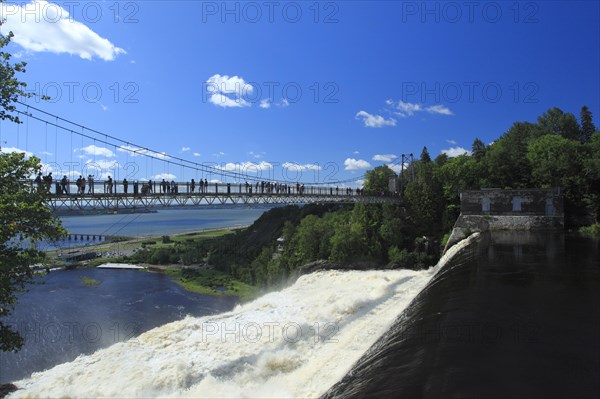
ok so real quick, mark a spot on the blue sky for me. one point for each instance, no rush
(296, 90)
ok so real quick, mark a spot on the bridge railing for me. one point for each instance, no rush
(106, 188)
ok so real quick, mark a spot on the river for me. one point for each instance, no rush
(162, 222)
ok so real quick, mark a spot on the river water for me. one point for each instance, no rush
(63, 318)
(162, 222)
(516, 315)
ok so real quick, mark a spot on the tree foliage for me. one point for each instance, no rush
(377, 180)
(25, 220)
(11, 87)
(587, 125)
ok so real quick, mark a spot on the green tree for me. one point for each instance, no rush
(425, 158)
(25, 220)
(478, 149)
(506, 164)
(555, 121)
(587, 125)
(377, 180)
(558, 162)
(11, 87)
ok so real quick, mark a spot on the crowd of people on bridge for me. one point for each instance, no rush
(110, 187)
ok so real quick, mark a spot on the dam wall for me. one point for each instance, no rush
(496, 209)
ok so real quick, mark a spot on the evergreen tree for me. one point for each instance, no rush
(587, 126)
(425, 158)
(478, 149)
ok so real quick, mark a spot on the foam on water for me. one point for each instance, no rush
(296, 342)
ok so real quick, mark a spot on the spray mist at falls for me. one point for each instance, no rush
(296, 342)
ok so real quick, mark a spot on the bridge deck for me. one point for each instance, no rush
(117, 195)
(132, 201)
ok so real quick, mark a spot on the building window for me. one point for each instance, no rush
(485, 204)
(549, 206)
(516, 202)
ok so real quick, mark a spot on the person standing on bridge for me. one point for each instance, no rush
(82, 184)
(109, 185)
(64, 182)
(125, 186)
(48, 181)
(192, 186)
(90, 184)
(38, 182)
(206, 185)
(135, 188)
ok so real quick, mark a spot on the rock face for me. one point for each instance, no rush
(6, 389)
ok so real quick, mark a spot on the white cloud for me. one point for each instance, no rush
(439, 109)
(197, 154)
(385, 157)
(257, 155)
(407, 109)
(360, 182)
(8, 150)
(265, 103)
(356, 164)
(455, 151)
(370, 120)
(101, 164)
(228, 91)
(221, 100)
(185, 149)
(166, 176)
(95, 150)
(104, 107)
(300, 168)
(397, 168)
(356, 152)
(452, 142)
(40, 26)
(219, 154)
(245, 167)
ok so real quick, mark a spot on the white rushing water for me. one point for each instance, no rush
(296, 342)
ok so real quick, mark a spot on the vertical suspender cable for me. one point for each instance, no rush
(56, 141)
(27, 132)
(46, 144)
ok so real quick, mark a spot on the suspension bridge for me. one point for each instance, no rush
(107, 195)
(106, 184)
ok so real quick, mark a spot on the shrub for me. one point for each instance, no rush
(409, 260)
(591, 231)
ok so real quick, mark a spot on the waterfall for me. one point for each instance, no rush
(296, 342)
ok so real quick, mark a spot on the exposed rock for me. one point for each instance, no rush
(5, 389)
